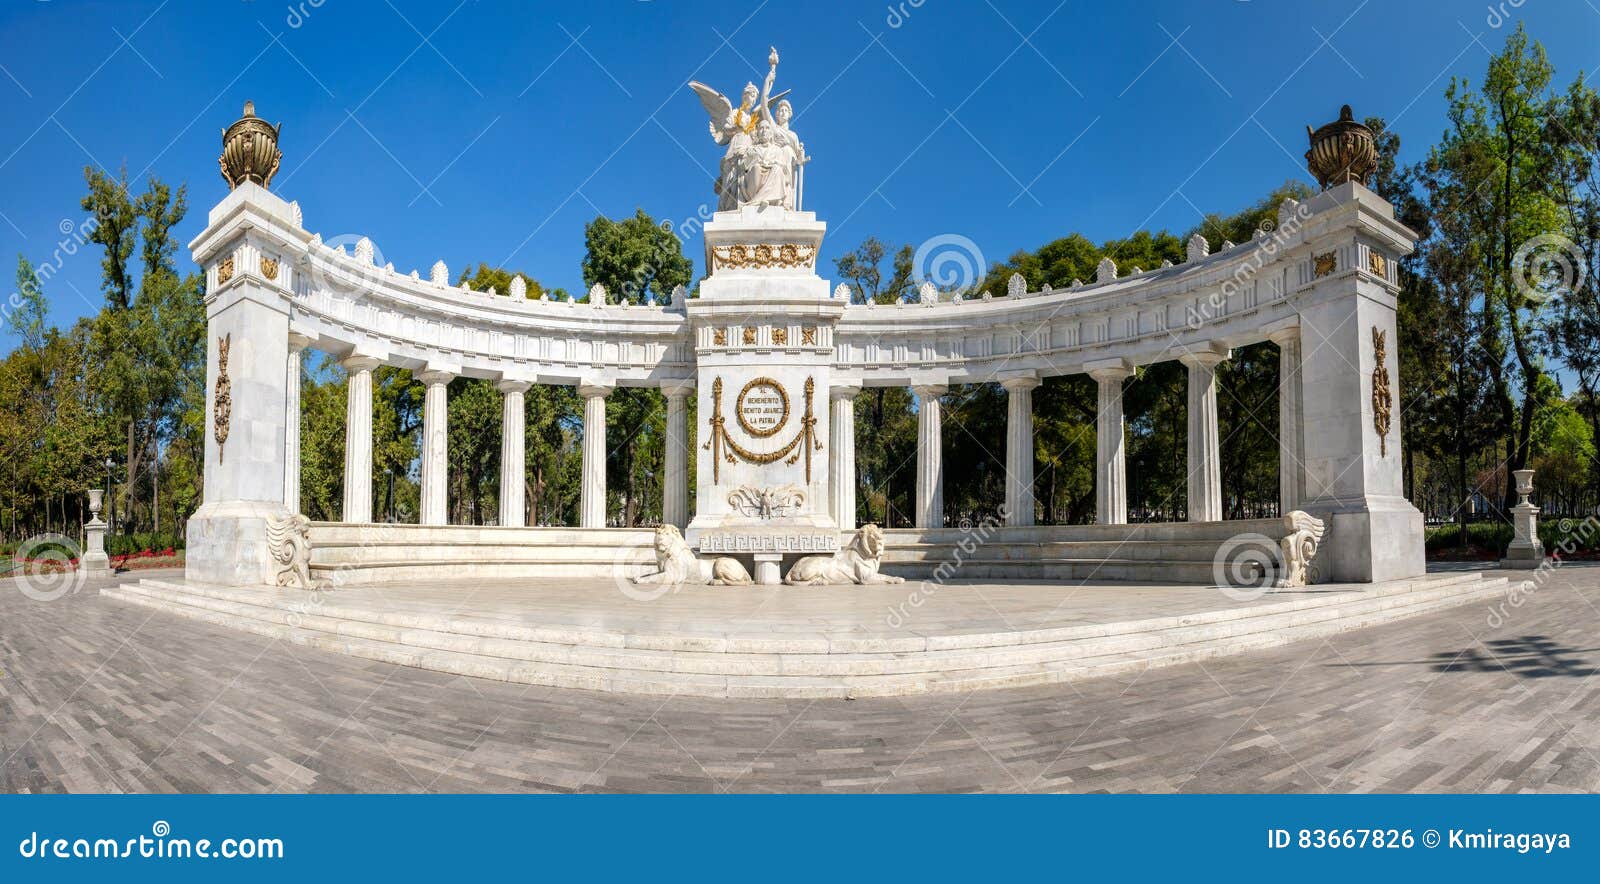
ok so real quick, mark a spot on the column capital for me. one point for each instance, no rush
(1019, 380)
(595, 390)
(356, 362)
(925, 391)
(1205, 356)
(844, 391)
(1109, 369)
(299, 341)
(1283, 331)
(432, 376)
(508, 385)
(681, 389)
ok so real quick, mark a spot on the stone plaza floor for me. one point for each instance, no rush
(102, 696)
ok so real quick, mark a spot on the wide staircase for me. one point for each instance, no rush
(344, 554)
(845, 662)
(1165, 552)
(1180, 552)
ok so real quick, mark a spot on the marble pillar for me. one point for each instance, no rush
(291, 422)
(1111, 461)
(930, 456)
(842, 468)
(675, 484)
(1205, 464)
(1019, 447)
(1291, 435)
(513, 457)
(435, 446)
(358, 440)
(592, 507)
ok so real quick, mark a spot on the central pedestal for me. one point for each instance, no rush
(763, 335)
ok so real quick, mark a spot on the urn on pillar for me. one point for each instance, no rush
(1526, 549)
(95, 562)
(1343, 150)
(250, 150)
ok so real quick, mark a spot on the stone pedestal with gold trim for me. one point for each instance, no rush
(763, 335)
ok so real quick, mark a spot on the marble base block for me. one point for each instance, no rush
(227, 544)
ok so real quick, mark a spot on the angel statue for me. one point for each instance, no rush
(763, 156)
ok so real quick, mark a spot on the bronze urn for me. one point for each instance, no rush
(1343, 150)
(250, 150)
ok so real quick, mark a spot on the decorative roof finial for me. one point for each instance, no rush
(1343, 150)
(250, 150)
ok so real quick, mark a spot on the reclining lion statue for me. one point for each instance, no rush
(856, 563)
(676, 563)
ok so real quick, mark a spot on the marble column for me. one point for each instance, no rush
(435, 451)
(1111, 462)
(1204, 467)
(513, 457)
(358, 439)
(842, 466)
(1291, 434)
(592, 508)
(930, 456)
(675, 484)
(291, 422)
(1019, 448)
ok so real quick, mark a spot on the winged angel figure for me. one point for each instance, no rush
(761, 164)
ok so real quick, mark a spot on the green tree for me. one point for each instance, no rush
(637, 261)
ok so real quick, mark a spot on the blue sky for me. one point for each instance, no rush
(487, 131)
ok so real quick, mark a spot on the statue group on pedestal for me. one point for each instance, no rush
(762, 164)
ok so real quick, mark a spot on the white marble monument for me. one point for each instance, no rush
(775, 360)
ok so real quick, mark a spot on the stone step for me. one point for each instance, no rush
(799, 663)
(802, 674)
(594, 678)
(329, 604)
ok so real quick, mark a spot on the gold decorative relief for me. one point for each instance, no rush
(1326, 263)
(749, 336)
(269, 268)
(780, 335)
(766, 415)
(724, 447)
(1378, 264)
(225, 270)
(222, 406)
(719, 337)
(1382, 399)
(808, 335)
(764, 256)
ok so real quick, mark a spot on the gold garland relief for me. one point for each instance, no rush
(1378, 264)
(269, 268)
(222, 408)
(724, 447)
(1382, 399)
(225, 270)
(764, 256)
